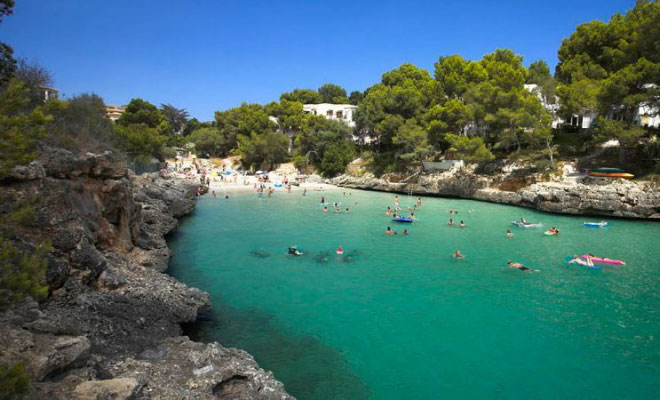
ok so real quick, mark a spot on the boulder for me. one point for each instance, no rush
(110, 389)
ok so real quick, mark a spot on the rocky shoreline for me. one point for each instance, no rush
(583, 196)
(110, 327)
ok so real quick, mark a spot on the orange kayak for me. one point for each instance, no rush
(611, 175)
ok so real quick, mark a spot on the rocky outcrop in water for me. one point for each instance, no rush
(589, 196)
(110, 328)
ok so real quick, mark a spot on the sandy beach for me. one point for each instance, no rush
(220, 182)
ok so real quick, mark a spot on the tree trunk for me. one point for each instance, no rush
(552, 158)
(622, 152)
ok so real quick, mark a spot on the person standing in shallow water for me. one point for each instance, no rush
(396, 201)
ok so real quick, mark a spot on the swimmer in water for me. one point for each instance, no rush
(396, 201)
(412, 215)
(389, 231)
(337, 210)
(462, 224)
(451, 222)
(405, 232)
(294, 252)
(517, 265)
(325, 209)
(509, 235)
(458, 255)
(419, 201)
(388, 211)
(347, 211)
(340, 250)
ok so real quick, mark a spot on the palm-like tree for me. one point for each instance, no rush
(176, 117)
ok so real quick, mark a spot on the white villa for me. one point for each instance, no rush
(645, 115)
(114, 112)
(341, 112)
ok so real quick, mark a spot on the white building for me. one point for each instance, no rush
(48, 93)
(647, 116)
(341, 112)
(553, 108)
(114, 112)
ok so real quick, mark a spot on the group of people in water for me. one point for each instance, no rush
(395, 213)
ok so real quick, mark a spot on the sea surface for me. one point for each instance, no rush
(401, 319)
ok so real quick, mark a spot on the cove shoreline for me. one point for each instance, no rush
(595, 197)
(111, 324)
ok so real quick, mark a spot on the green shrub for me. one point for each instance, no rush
(14, 382)
(22, 273)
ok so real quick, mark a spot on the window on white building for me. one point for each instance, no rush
(340, 114)
(329, 113)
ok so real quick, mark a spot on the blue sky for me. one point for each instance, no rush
(212, 55)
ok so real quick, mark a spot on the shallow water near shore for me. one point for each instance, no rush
(401, 318)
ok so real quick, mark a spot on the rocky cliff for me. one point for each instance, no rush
(109, 328)
(589, 196)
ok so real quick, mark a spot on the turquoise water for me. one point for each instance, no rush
(407, 321)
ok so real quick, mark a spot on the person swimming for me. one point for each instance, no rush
(347, 210)
(518, 266)
(325, 209)
(451, 222)
(340, 250)
(509, 235)
(523, 220)
(294, 252)
(388, 211)
(554, 231)
(322, 199)
(412, 215)
(389, 231)
(405, 232)
(462, 224)
(337, 210)
(458, 254)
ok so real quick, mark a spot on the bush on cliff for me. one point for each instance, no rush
(14, 382)
(22, 270)
(468, 149)
(80, 124)
(21, 127)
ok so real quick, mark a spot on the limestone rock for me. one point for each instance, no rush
(110, 389)
(28, 172)
(607, 197)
